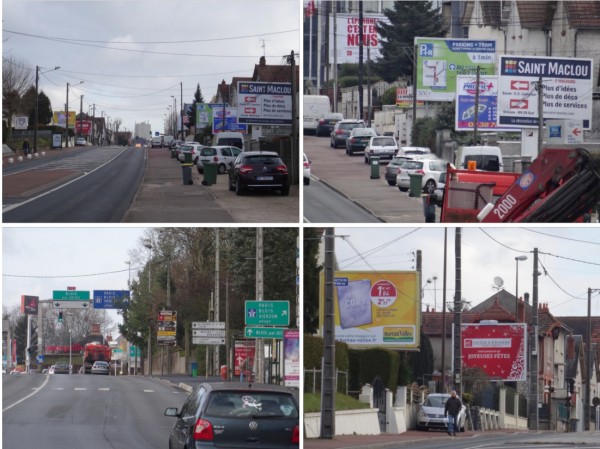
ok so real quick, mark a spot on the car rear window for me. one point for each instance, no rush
(208, 152)
(384, 142)
(260, 159)
(413, 165)
(255, 404)
(351, 125)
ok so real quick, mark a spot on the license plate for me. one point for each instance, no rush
(264, 178)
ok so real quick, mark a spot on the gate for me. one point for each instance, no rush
(379, 401)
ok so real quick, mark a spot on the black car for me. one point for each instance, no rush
(228, 414)
(392, 169)
(327, 123)
(62, 368)
(259, 170)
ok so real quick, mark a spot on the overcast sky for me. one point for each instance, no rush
(486, 253)
(37, 261)
(133, 54)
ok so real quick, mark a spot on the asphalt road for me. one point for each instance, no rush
(95, 412)
(324, 205)
(100, 190)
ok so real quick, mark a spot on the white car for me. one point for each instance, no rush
(80, 141)
(100, 367)
(414, 151)
(431, 169)
(306, 170)
(431, 413)
(221, 155)
(189, 147)
(383, 146)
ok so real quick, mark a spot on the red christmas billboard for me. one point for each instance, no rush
(498, 349)
(83, 127)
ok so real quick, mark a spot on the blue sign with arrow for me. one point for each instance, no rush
(111, 299)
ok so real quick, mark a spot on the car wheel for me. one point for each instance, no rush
(221, 169)
(306, 181)
(231, 187)
(285, 192)
(331, 143)
(366, 160)
(391, 183)
(350, 153)
(403, 189)
(429, 186)
(239, 190)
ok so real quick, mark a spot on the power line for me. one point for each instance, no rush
(560, 237)
(28, 276)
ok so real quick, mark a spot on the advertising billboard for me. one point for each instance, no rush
(264, 103)
(567, 86)
(440, 61)
(231, 121)
(83, 127)
(497, 349)
(466, 90)
(60, 119)
(376, 308)
(348, 37)
(291, 357)
(29, 304)
(243, 358)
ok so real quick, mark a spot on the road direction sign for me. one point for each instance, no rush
(217, 333)
(208, 341)
(70, 295)
(208, 324)
(267, 313)
(167, 325)
(264, 332)
(111, 299)
(67, 304)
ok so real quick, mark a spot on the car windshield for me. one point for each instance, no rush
(435, 401)
(251, 404)
(412, 165)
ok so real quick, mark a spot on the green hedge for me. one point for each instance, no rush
(379, 362)
(313, 353)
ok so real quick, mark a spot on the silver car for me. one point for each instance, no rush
(100, 367)
(431, 413)
(221, 155)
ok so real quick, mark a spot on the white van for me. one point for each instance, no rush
(487, 158)
(229, 139)
(314, 107)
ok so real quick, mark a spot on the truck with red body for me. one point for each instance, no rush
(93, 352)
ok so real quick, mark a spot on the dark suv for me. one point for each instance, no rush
(227, 414)
(342, 130)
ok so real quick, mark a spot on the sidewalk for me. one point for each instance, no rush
(163, 198)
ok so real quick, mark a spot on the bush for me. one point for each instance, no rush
(313, 353)
(380, 362)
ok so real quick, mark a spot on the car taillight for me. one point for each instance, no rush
(306, 165)
(203, 430)
(339, 131)
(421, 172)
(321, 121)
(296, 435)
(244, 169)
(281, 168)
(216, 159)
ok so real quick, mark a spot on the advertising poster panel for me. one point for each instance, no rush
(291, 357)
(83, 127)
(348, 37)
(377, 308)
(466, 91)
(440, 61)
(29, 304)
(567, 90)
(244, 353)
(264, 103)
(497, 349)
(60, 119)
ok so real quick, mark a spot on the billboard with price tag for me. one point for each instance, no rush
(376, 308)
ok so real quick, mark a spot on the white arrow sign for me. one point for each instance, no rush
(72, 304)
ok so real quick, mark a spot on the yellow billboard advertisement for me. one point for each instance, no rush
(59, 119)
(374, 308)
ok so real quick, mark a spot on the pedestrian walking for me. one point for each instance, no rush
(451, 410)
(25, 147)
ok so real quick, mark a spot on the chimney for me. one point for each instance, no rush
(570, 347)
(527, 298)
(263, 61)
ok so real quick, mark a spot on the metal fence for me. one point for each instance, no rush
(313, 380)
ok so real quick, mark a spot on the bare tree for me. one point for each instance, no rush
(17, 77)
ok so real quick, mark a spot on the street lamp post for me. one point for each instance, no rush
(429, 281)
(174, 116)
(35, 119)
(517, 260)
(70, 353)
(148, 244)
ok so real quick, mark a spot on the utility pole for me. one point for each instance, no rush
(295, 109)
(81, 115)
(476, 113)
(335, 67)
(216, 360)
(181, 112)
(260, 353)
(540, 91)
(444, 314)
(328, 369)
(533, 411)
(457, 381)
(360, 60)
(35, 119)
(93, 130)
(67, 119)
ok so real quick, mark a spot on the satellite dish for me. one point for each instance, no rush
(498, 282)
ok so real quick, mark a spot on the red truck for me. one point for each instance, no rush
(95, 351)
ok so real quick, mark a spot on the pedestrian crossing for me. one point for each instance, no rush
(85, 161)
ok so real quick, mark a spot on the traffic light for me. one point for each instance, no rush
(29, 351)
(60, 317)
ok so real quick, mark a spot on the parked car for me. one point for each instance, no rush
(231, 414)
(62, 368)
(100, 367)
(391, 170)
(51, 369)
(223, 156)
(306, 170)
(384, 147)
(174, 143)
(80, 141)
(259, 170)
(358, 140)
(431, 413)
(438, 194)
(229, 138)
(327, 123)
(341, 131)
(189, 147)
(156, 142)
(413, 151)
(431, 169)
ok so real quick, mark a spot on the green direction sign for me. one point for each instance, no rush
(264, 332)
(267, 313)
(134, 351)
(70, 295)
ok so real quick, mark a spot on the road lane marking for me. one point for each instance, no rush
(37, 390)
(17, 205)
(148, 391)
(103, 389)
(80, 389)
